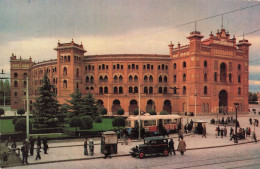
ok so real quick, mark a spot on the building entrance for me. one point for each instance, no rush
(223, 101)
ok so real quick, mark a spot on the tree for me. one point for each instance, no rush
(103, 111)
(90, 106)
(164, 112)
(252, 98)
(136, 112)
(86, 122)
(21, 111)
(76, 106)
(152, 112)
(46, 105)
(118, 121)
(2, 112)
(98, 119)
(20, 125)
(75, 122)
(120, 111)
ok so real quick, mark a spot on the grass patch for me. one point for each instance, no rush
(6, 126)
(50, 135)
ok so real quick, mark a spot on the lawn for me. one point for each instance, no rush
(6, 126)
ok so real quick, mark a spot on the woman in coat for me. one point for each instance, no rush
(182, 146)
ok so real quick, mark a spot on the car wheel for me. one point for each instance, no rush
(165, 152)
(141, 154)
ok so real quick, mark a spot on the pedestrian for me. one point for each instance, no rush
(5, 157)
(182, 146)
(231, 132)
(91, 147)
(171, 147)
(250, 121)
(25, 151)
(180, 134)
(218, 130)
(31, 145)
(39, 141)
(249, 131)
(107, 151)
(186, 128)
(86, 147)
(13, 146)
(38, 150)
(204, 131)
(222, 132)
(45, 148)
(246, 131)
(254, 136)
(225, 131)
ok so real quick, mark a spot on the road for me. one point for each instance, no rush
(245, 156)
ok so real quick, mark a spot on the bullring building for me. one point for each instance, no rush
(209, 75)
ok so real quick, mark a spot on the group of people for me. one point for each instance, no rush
(28, 147)
(181, 147)
(221, 131)
(91, 147)
(255, 122)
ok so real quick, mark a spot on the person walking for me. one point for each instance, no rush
(204, 131)
(31, 145)
(218, 130)
(86, 147)
(45, 148)
(91, 147)
(180, 134)
(38, 150)
(225, 131)
(222, 132)
(171, 147)
(249, 131)
(231, 132)
(25, 151)
(39, 142)
(182, 146)
(250, 121)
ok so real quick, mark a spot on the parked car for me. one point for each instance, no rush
(151, 146)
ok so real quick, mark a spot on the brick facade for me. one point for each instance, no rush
(210, 75)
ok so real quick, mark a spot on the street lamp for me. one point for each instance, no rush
(235, 138)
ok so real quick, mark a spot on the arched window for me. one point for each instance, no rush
(215, 77)
(136, 78)
(230, 77)
(144, 67)
(115, 90)
(148, 66)
(24, 75)
(239, 67)
(105, 78)
(184, 77)
(165, 79)
(100, 90)
(89, 67)
(150, 89)
(159, 67)
(103, 66)
(145, 78)
(106, 89)
(184, 90)
(15, 84)
(205, 63)
(91, 79)
(87, 79)
(87, 88)
(174, 78)
(69, 58)
(162, 66)
(64, 71)
(130, 78)
(239, 79)
(65, 83)
(166, 67)
(160, 90)
(120, 78)
(106, 66)
(165, 90)
(174, 66)
(130, 89)
(77, 86)
(145, 90)
(205, 77)
(133, 66)
(100, 78)
(135, 89)
(205, 90)
(115, 78)
(150, 78)
(65, 58)
(184, 64)
(239, 91)
(53, 80)
(120, 90)
(160, 78)
(77, 72)
(24, 84)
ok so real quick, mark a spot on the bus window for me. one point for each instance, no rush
(170, 121)
(149, 122)
(128, 123)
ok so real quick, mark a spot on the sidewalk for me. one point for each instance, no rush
(70, 150)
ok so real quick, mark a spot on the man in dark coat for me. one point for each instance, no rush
(31, 145)
(204, 131)
(218, 130)
(39, 141)
(171, 147)
(25, 151)
(45, 145)
(231, 131)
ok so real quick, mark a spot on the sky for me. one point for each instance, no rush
(33, 27)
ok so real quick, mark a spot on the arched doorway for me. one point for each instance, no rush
(115, 106)
(133, 105)
(150, 105)
(167, 106)
(223, 101)
(223, 72)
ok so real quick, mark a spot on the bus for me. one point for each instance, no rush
(152, 124)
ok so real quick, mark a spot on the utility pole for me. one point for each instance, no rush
(139, 113)
(3, 86)
(28, 107)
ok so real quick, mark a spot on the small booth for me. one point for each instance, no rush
(198, 126)
(109, 141)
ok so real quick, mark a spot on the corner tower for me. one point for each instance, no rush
(69, 68)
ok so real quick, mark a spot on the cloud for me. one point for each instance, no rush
(253, 69)
(254, 82)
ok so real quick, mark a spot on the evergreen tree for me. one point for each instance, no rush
(90, 106)
(46, 105)
(76, 106)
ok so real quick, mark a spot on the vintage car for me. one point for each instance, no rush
(151, 146)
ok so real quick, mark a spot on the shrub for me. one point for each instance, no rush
(120, 112)
(86, 122)
(136, 112)
(75, 122)
(2, 112)
(14, 120)
(152, 112)
(118, 121)
(98, 119)
(21, 111)
(103, 111)
(20, 125)
(164, 112)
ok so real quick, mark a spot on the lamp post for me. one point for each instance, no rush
(235, 138)
(139, 113)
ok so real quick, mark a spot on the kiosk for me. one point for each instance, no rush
(109, 140)
(198, 126)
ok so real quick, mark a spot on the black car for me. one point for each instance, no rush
(151, 146)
